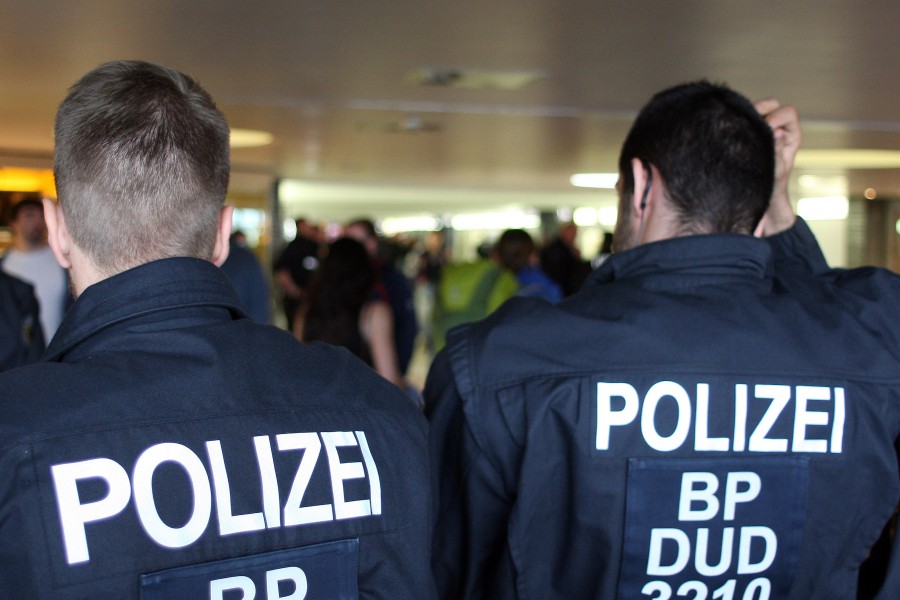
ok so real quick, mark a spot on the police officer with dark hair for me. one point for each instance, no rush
(712, 416)
(168, 446)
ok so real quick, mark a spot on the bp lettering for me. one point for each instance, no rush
(294, 578)
(327, 571)
(815, 416)
(698, 502)
(728, 529)
(210, 488)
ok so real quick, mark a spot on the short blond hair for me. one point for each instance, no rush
(141, 165)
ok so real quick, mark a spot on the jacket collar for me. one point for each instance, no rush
(152, 287)
(690, 259)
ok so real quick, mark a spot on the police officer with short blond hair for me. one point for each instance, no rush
(168, 446)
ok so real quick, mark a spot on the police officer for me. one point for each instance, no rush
(168, 446)
(712, 416)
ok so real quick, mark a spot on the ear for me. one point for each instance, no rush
(760, 227)
(639, 175)
(223, 232)
(57, 233)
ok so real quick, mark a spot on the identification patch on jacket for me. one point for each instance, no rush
(324, 571)
(727, 528)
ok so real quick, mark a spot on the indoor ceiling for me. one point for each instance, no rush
(488, 102)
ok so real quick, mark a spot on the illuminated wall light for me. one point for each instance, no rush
(824, 208)
(808, 181)
(585, 216)
(495, 221)
(603, 181)
(395, 225)
(289, 229)
(897, 226)
(249, 218)
(870, 194)
(249, 138)
(564, 214)
(823, 185)
(13, 179)
(608, 216)
(250, 221)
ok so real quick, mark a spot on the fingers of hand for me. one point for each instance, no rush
(784, 117)
(766, 105)
(778, 116)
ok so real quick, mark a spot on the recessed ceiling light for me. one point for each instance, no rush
(250, 138)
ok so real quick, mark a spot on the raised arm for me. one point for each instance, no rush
(794, 247)
(785, 124)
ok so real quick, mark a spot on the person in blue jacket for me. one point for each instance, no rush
(516, 251)
(168, 446)
(248, 279)
(712, 416)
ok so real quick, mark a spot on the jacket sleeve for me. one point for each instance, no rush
(35, 337)
(796, 251)
(471, 504)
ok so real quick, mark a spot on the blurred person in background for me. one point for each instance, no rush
(516, 251)
(561, 260)
(248, 278)
(31, 260)
(341, 309)
(393, 287)
(295, 265)
(431, 261)
(470, 291)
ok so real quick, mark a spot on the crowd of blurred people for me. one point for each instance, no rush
(385, 298)
(382, 298)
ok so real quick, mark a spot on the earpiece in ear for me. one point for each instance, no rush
(648, 184)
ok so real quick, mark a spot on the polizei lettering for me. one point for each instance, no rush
(815, 415)
(210, 489)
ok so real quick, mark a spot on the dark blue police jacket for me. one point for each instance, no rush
(169, 447)
(710, 417)
(21, 336)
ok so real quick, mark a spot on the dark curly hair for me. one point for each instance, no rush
(714, 151)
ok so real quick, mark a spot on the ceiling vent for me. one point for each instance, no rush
(473, 78)
(410, 124)
(414, 124)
